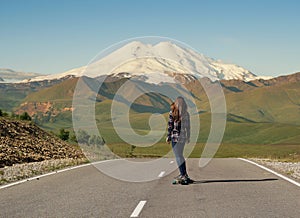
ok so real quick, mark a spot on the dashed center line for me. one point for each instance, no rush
(138, 209)
(161, 174)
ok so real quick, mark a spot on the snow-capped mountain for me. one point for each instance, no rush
(152, 62)
(12, 76)
(76, 72)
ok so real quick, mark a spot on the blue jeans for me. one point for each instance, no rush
(178, 151)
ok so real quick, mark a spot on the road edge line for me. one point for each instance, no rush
(271, 171)
(52, 173)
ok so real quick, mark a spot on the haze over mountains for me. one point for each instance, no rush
(267, 105)
(10, 76)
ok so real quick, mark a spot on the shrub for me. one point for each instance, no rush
(25, 116)
(132, 147)
(73, 138)
(64, 134)
(3, 114)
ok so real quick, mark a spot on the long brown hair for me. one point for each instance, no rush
(179, 108)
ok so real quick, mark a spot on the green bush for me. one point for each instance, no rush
(64, 134)
(73, 138)
(3, 114)
(25, 116)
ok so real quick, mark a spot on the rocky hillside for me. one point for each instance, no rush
(23, 142)
(230, 86)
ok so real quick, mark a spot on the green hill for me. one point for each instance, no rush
(59, 92)
(259, 112)
(273, 104)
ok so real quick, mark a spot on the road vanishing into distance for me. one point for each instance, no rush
(224, 188)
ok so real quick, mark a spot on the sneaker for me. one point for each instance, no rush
(184, 180)
(189, 179)
(178, 179)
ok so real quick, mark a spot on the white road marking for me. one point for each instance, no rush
(171, 162)
(41, 176)
(271, 171)
(138, 209)
(161, 174)
(51, 173)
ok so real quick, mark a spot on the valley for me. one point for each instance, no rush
(260, 111)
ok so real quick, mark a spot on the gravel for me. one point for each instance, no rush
(291, 169)
(17, 172)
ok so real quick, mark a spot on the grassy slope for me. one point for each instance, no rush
(279, 104)
(58, 93)
(238, 131)
(258, 119)
(282, 152)
(235, 132)
(11, 98)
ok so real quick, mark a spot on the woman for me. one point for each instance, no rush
(179, 134)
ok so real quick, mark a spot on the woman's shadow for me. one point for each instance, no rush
(232, 180)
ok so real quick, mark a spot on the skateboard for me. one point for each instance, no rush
(182, 182)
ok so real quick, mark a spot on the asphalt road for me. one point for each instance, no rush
(224, 188)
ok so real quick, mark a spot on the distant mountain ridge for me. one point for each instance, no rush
(152, 61)
(9, 75)
(268, 105)
(239, 86)
(254, 100)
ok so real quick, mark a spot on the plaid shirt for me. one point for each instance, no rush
(179, 130)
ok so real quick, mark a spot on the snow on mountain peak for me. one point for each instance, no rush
(138, 58)
(76, 72)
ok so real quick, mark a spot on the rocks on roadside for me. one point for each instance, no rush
(289, 168)
(26, 170)
(24, 142)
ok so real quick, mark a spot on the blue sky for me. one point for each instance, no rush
(54, 36)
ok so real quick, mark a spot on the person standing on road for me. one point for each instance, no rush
(178, 135)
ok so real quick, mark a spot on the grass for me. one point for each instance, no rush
(124, 150)
(278, 152)
(261, 133)
(243, 134)
(62, 91)
(242, 137)
(9, 100)
(267, 104)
